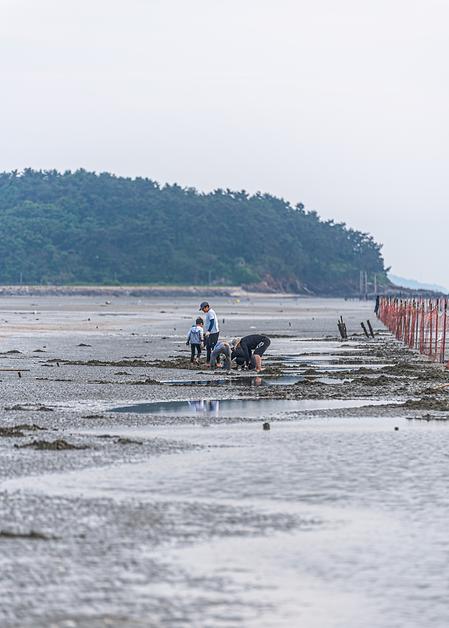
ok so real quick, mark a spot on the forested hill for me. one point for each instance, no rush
(83, 227)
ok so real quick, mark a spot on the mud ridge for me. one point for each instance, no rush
(32, 535)
(57, 445)
(18, 430)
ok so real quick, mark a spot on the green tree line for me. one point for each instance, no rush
(84, 227)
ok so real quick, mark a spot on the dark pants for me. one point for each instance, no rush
(262, 347)
(193, 348)
(211, 341)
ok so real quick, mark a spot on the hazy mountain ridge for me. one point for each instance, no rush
(413, 284)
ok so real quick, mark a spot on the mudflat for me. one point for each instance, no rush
(138, 490)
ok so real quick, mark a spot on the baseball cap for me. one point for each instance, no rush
(204, 304)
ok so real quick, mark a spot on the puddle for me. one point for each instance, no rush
(334, 367)
(323, 357)
(281, 380)
(315, 347)
(248, 408)
(332, 360)
(332, 381)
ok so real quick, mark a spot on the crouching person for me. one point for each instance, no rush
(221, 348)
(249, 350)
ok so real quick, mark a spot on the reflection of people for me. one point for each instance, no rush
(198, 406)
(250, 349)
(221, 348)
(203, 406)
(195, 338)
(213, 406)
(211, 328)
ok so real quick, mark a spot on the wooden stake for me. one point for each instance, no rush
(364, 329)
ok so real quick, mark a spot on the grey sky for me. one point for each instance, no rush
(341, 105)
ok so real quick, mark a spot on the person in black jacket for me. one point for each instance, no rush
(249, 350)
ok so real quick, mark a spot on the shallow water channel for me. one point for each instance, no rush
(369, 505)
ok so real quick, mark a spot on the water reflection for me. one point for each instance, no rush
(276, 380)
(242, 408)
(205, 406)
(279, 380)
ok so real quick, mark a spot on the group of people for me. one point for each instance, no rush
(247, 352)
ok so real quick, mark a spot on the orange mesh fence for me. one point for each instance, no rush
(421, 324)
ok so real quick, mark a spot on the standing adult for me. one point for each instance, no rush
(249, 350)
(211, 329)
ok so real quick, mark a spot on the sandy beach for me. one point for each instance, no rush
(138, 491)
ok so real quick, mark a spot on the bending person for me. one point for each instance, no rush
(221, 348)
(250, 349)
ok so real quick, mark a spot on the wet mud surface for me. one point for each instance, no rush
(56, 445)
(19, 430)
(80, 551)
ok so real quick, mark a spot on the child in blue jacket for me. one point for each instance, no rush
(195, 338)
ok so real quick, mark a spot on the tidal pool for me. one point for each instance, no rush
(248, 408)
(281, 380)
(250, 381)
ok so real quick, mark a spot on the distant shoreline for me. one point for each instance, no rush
(137, 291)
(134, 290)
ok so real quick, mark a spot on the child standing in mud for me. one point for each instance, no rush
(195, 338)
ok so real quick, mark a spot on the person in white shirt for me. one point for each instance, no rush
(211, 328)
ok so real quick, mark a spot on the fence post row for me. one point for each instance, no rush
(419, 323)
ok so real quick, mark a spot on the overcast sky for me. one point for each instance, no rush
(343, 106)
